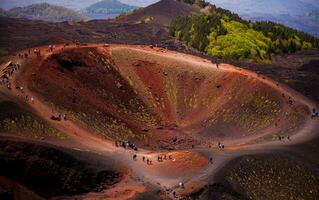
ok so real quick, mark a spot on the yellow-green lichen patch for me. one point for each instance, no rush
(15, 120)
(274, 177)
(256, 111)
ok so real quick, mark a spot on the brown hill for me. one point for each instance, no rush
(162, 12)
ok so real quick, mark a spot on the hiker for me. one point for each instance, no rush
(143, 158)
(313, 115)
(64, 117)
(219, 145)
(217, 63)
(211, 160)
(181, 185)
(174, 194)
(279, 138)
(32, 100)
(135, 157)
(9, 86)
(56, 118)
(290, 102)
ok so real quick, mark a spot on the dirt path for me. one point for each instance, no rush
(84, 140)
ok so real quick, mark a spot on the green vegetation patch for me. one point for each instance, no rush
(240, 42)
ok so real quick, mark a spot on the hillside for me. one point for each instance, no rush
(223, 34)
(108, 7)
(45, 12)
(162, 12)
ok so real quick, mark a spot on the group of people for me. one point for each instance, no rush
(51, 48)
(161, 158)
(59, 117)
(37, 52)
(144, 159)
(220, 145)
(282, 138)
(126, 145)
(148, 161)
(23, 55)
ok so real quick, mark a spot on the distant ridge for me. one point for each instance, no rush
(108, 7)
(71, 4)
(45, 12)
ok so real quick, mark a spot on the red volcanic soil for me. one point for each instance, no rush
(182, 162)
(84, 84)
(163, 99)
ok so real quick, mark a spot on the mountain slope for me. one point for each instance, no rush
(162, 12)
(45, 12)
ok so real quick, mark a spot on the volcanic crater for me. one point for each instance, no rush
(163, 99)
